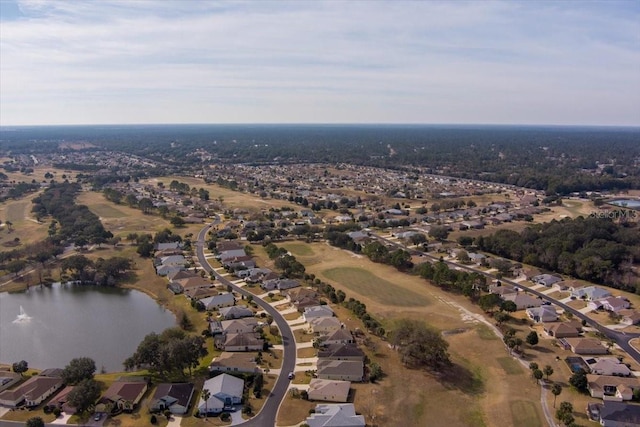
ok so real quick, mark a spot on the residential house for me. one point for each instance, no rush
(182, 274)
(629, 317)
(215, 326)
(615, 414)
(226, 391)
(542, 314)
(32, 392)
(346, 370)
(235, 312)
(561, 329)
(317, 311)
(611, 387)
(523, 301)
(302, 298)
(165, 270)
(200, 293)
(502, 289)
(239, 326)
(217, 301)
(476, 257)
(235, 362)
(168, 246)
(335, 415)
(614, 304)
(324, 325)
(247, 341)
(125, 395)
(8, 379)
(171, 260)
(60, 401)
(176, 397)
(190, 284)
(231, 254)
(547, 280)
(471, 225)
(607, 366)
(328, 390)
(583, 345)
(279, 284)
(339, 336)
(341, 352)
(590, 293)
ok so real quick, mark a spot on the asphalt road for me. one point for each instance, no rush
(620, 338)
(267, 415)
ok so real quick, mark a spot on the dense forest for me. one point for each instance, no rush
(555, 159)
(594, 249)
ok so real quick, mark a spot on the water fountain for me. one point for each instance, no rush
(22, 317)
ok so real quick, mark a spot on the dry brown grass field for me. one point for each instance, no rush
(24, 226)
(230, 198)
(479, 392)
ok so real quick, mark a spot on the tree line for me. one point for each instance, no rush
(594, 249)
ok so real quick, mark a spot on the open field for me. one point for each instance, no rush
(24, 226)
(234, 199)
(120, 219)
(363, 282)
(478, 390)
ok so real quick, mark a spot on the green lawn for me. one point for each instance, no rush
(366, 283)
(524, 414)
(298, 249)
(104, 210)
(510, 366)
(485, 333)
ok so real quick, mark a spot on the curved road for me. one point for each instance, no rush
(267, 415)
(620, 338)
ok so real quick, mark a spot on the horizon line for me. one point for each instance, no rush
(635, 126)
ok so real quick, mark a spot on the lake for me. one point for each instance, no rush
(49, 326)
(626, 203)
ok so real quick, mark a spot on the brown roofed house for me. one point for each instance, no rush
(126, 395)
(329, 390)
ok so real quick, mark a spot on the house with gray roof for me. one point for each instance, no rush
(217, 301)
(235, 312)
(328, 390)
(345, 370)
(547, 280)
(335, 415)
(590, 293)
(317, 311)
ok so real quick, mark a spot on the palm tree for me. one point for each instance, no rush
(206, 395)
(556, 389)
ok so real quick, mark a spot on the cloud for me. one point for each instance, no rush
(494, 62)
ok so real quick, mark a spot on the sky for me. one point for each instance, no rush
(477, 62)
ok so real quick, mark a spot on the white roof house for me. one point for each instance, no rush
(335, 415)
(226, 391)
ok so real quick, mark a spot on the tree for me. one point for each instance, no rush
(206, 395)
(375, 372)
(35, 422)
(20, 367)
(84, 395)
(579, 380)
(556, 389)
(564, 413)
(177, 221)
(538, 374)
(548, 371)
(16, 266)
(420, 345)
(489, 301)
(508, 306)
(78, 369)
(439, 232)
(532, 338)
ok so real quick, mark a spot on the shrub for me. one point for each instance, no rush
(153, 420)
(225, 416)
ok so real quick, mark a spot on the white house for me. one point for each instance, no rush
(542, 314)
(226, 391)
(337, 414)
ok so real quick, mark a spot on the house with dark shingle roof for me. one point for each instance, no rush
(32, 392)
(125, 395)
(176, 397)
